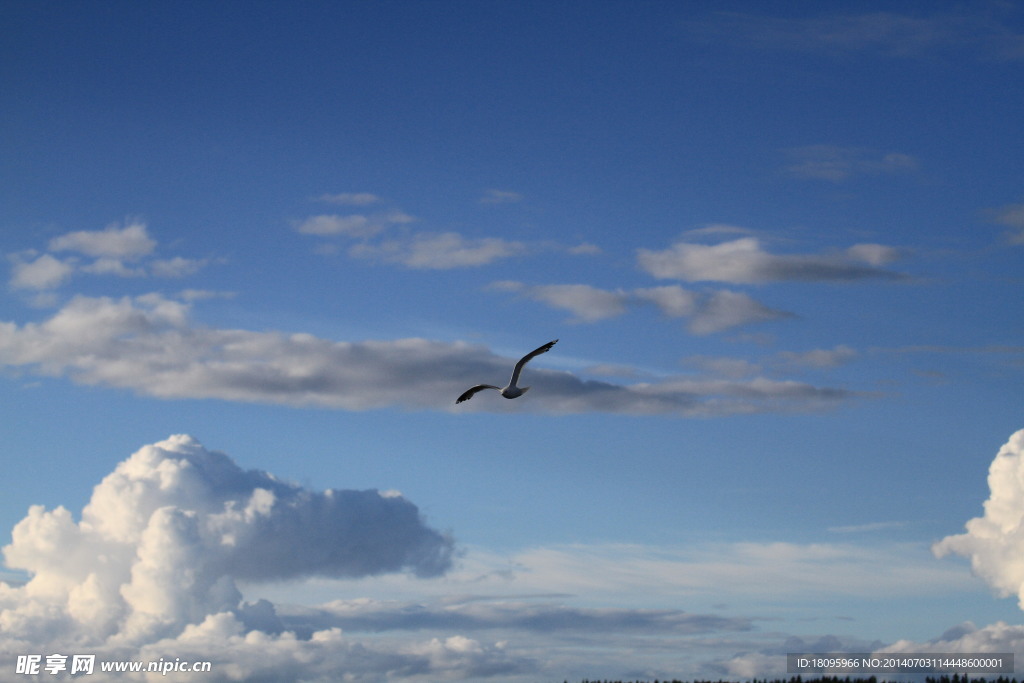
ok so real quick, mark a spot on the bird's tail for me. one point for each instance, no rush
(524, 389)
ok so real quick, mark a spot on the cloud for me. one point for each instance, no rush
(995, 542)
(863, 528)
(818, 358)
(487, 613)
(130, 242)
(837, 164)
(356, 225)
(725, 310)
(586, 303)
(1012, 216)
(743, 261)
(887, 34)
(149, 572)
(333, 224)
(500, 197)
(122, 252)
(350, 198)
(44, 272)
(148, 344)
(671, 300)
(439, 251)
(166, 534)
(709, 313)
(617, 608)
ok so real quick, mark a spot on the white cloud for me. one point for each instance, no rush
(350, 198)
(121, 252)
(182, 554)
(743, 261)
(995, 542)
(500, 197)
(44, 272)
(439, 251)
(332, 224)
(584, 249)
(837, 164)
(149, 572)
(818, 358)
(618, 608)
(709, 313)
(1012, 216)
(873, 254)
(672, 300)
(176, 267)
(586, 303)
(725, 310)
(148, 344)
(130, 242)
(890, 34)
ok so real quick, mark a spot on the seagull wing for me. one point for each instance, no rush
(526, 359)
(468, 393)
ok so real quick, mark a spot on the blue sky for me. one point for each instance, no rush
(780, 247)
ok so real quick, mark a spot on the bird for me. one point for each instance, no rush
(513, 390)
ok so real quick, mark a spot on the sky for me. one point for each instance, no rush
(252, 252)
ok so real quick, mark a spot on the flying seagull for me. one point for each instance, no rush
(512, 390)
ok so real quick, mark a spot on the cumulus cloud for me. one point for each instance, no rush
(744, 261)
(120, 251)
(530, 597)
(150, 345)
(154, 559)
(994, 542)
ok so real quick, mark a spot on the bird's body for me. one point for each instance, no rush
(513, 390)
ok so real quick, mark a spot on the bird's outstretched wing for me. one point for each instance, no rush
(526, 359)
(468, 393)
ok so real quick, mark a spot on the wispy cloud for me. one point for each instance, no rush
(980, 33)
(586, 303)
(837, 164)
(708, 313)
(149, 344)
(866, 528)
(818, 358)
(725, 310)
(744, 261)
(1012, 216)
(501, 197)
(350, 198)
(439, 251)
(377, 240)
